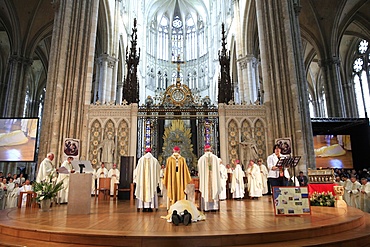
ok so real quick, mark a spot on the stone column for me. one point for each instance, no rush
(223, 133)
(119, 92)
(16, 93)
(285, 86)
(106, 84)
(68, 87)
(133, 131)
(248, 66)
(333, 87)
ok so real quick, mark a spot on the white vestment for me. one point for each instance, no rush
(223, 175)
(254, 181)
(161, 175)
(209, 180)
(25, 188)
(354, 194)
(113, 174)
(365, 197)
(264, 173)
(12, 199)
(147, 178)
(237, 182)
(101, 173)
(346, 197)
(45, 169)
(63, 193)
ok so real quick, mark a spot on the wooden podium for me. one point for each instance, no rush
(79, 196)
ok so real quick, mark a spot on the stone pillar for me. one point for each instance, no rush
(285, 86)
(133, 131)
(223, 134)
(106, 84)
(248, 66)
(119, 92)
(333, 87)
(68, 87)
(16, 93)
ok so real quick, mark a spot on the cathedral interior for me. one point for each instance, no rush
(235, 74)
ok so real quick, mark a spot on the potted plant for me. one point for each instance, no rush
(46, 190)
(325, 199)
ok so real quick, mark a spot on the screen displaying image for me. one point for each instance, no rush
(333, 151)
(18, 139)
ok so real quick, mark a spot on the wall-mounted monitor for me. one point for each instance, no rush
(334, 151)
(18, 139)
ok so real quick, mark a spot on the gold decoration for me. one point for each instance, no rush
(96, 133)
(95, 143)
(95, 152)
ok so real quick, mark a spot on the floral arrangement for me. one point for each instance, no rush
(47, 188)
(326, 199)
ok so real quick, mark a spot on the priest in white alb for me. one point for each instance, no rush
(102, 172)
(353, 189)
(113, 174)
(365, 195)
(46, 168)
(147, 178)
(237, 182)
(209, 179)
(264, 174)
(223, 175)
(65, 171)
(254, 180)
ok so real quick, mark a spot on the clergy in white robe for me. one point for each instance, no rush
(365, 195)
(209, 179)
(20, 180)
(264, 173)
(353, 188)
(46, 168)
(25, 188)
(65, 172)
(147, 178)
(113, 174)
(102, 172)
(93, 181)
(346, 183)
(254, 180)
(237, 182)
(223, 176)
(3, 193)
(12, 198)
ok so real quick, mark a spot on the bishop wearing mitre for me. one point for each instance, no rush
(177, 176)
(209, 179)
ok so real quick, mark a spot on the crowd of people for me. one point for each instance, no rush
(10, 188)
(216, 180)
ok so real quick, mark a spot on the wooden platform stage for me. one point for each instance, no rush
(238, 223)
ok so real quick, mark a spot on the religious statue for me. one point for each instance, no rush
(108, 148)
(249, 151)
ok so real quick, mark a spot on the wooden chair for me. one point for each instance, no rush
(130, 190)
(103, 191)
(30, 201)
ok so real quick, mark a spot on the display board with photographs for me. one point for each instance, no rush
(291, 201)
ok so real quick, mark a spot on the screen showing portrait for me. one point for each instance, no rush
(333, 151)
(18, 138)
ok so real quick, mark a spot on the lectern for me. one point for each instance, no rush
(79, 195)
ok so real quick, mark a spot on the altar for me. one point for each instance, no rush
(319, 188)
